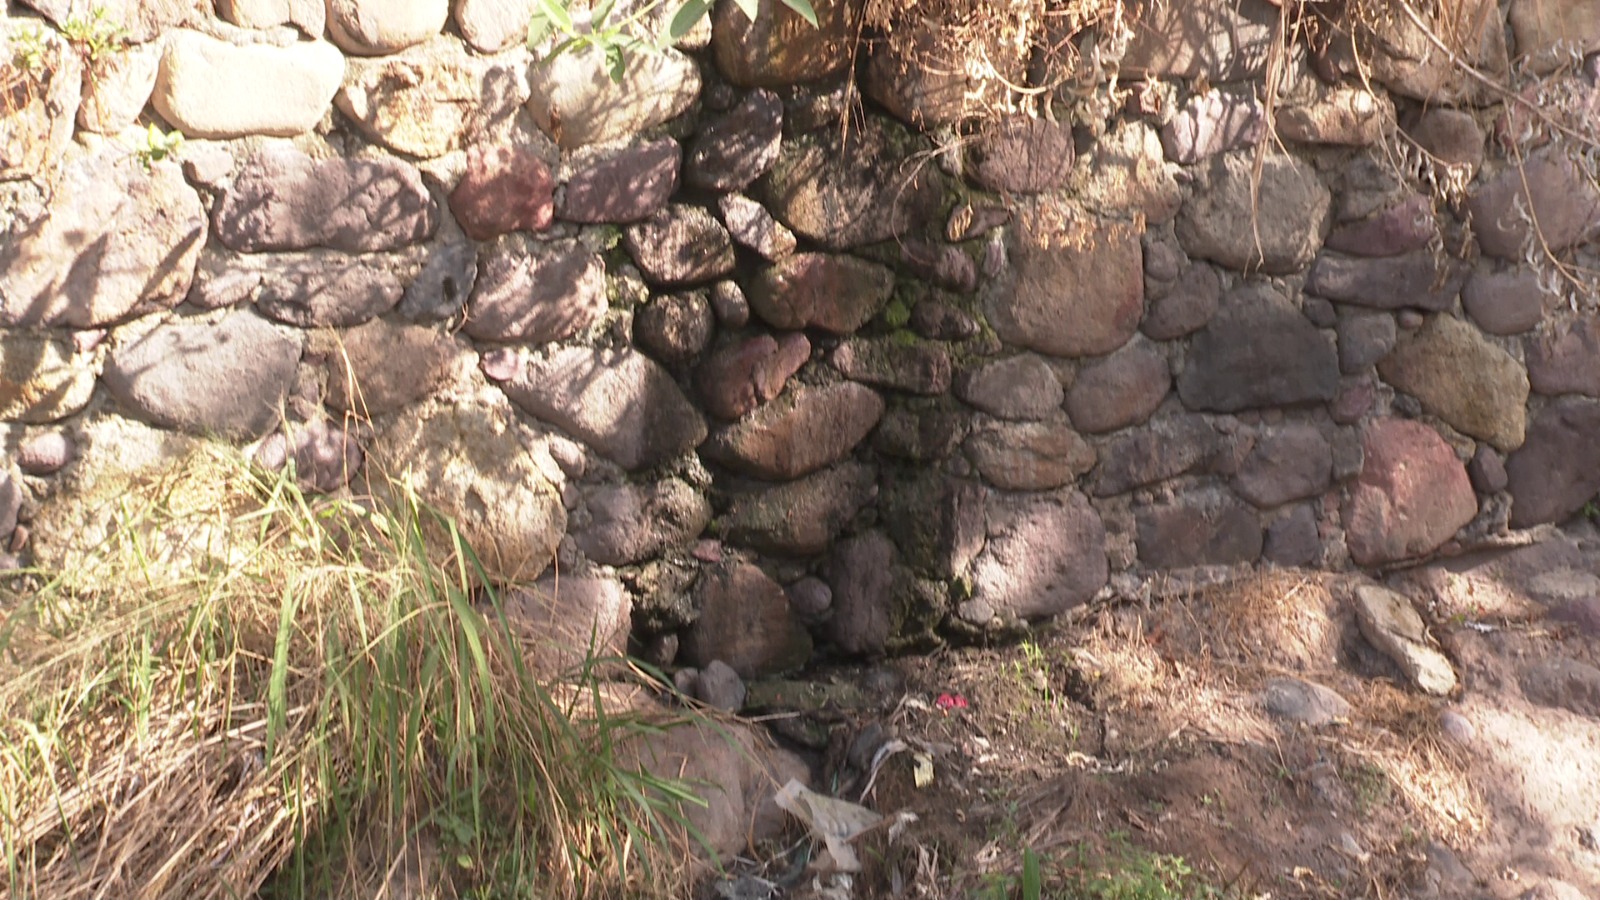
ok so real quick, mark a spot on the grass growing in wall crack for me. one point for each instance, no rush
(248, 689)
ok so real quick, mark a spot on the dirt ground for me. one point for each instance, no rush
(1139, 729)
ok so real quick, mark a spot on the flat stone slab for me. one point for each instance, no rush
(1389, 622)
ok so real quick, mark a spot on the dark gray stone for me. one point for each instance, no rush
(1271, 219)
(1364, 339)
(921, 433)
(801, 518)
(1565, 358)
(1304, 702)
(1199, 529)
(862, 573)
(327, 292)
(1487, 469)
(936, 521)
(1185, 307)
(633, 522)
(861, 192)
(674, 328)
(1293, 539)
(1509, 302)
(1395, 282)
(938, 321)
(916, 367)
(720, 687)
(1287, 463)
(1557, 468)
(441, 289)
(1165, 448)
(1258, 352)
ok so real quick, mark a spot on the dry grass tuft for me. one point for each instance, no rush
(305, 704)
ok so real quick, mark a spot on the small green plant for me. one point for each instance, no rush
(1591, 511)
(28, 49)
(1371, 786)
(615, 40)
(1120, 872)
(897, 314)
(1126, 872)
(157, 146)
(95, 37)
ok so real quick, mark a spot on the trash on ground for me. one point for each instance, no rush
(833, 820)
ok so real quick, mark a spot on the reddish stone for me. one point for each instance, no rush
(819, 290)
(1018, 387)
(742, 377)
(1412, 494)
(1029, 456)
(1046, 553)
(1067, 301)
(808, 429)
(745, 621)
(505, 189)
(1212, 123)
(1406, 226)
(1022, 155)
(1354, 400)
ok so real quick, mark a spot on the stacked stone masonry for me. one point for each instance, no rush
(780, 387)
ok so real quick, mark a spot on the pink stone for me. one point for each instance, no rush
(1412, 495)
(505, 189)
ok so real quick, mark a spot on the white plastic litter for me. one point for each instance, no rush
(835, 821)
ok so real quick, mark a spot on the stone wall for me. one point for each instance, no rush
(772, 387)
